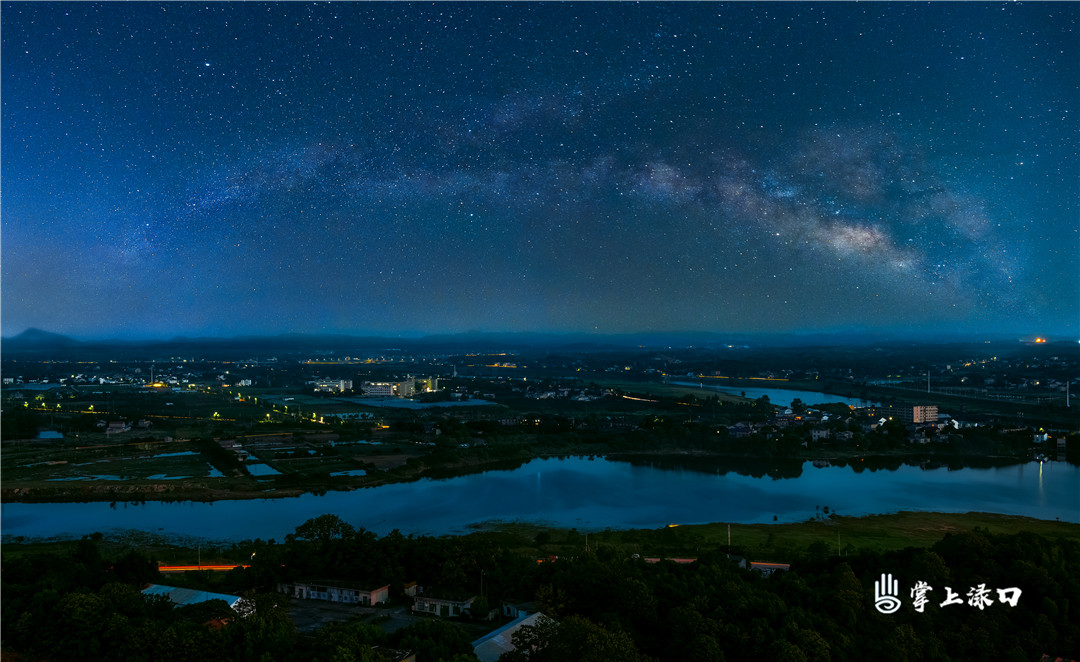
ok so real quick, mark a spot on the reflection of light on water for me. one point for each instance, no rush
(1042, 488)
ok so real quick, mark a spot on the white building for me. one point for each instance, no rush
(442, 606)
(389, 389)
(346, 592)
(334, 386)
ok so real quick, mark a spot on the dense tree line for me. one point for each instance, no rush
(602, 605)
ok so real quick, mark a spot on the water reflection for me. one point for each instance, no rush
(1042, 488)
(778, 469)
(628, 492)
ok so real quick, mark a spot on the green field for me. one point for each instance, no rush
(673, 391)
(786, 542)
(767, 542)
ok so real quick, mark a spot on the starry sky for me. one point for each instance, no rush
(398, 169)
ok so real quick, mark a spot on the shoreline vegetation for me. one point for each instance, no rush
(832, 535)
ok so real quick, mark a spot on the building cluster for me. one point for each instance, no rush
(400, 389)
(405, 389)
(455, 604)
(487, 648)
(910, 414)
(923, 422)
(562, 393)
(333, 386)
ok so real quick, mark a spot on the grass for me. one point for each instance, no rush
(784, 542)
(760, 542)
(110, 547)
(668, 390)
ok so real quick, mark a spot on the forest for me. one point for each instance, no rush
(85, 603)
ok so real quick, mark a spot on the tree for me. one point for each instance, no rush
(435, 640)
(531, 640)
(480, 608)
(264, 629)
(325, 529)
(346, 641)
(575, 638)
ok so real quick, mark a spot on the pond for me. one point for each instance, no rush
(591, 494)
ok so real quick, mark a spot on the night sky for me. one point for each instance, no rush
(220, 169)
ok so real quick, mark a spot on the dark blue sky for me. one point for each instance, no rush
(234, 168)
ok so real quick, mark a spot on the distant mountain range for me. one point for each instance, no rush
(36, 341)
(36, 338)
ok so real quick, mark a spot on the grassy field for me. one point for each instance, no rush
(766, 542)
(785, 542)
(670, 391)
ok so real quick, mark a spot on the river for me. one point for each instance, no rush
(777, 396)
(589, 494)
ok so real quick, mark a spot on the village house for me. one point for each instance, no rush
(740, 430)
(767, 569)
(442, 606)
(116, 427)
(337, 591)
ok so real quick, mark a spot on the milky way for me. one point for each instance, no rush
(404, 168)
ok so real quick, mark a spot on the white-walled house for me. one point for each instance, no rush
(337, 591)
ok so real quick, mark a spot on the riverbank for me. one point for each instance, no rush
(839, 535)
(471, 461)
(592, 494)
(834, 535)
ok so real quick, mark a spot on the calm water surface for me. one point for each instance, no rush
(778, 396)
(587, 494)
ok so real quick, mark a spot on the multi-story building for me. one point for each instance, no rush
(912, 414)
(334, 386)
(389, 389)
